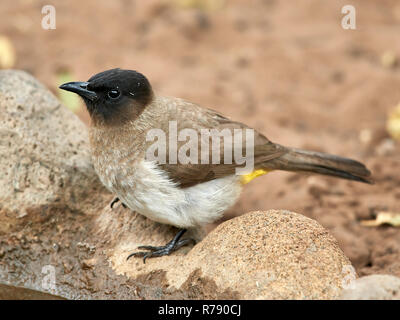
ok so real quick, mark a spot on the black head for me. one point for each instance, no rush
(114, 95)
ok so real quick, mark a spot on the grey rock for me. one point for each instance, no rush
(373, 287)
(44, 154)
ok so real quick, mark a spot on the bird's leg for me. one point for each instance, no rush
(159, 251)
(116, 199)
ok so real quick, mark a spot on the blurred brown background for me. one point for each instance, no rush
(287, 68)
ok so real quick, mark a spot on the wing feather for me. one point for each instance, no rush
(189, 115)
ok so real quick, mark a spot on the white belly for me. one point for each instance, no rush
(147, 190)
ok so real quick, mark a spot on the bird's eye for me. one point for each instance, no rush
(114, 94)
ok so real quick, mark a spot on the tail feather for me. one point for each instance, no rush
(322, 163)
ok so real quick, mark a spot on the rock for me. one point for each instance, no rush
(44, 154)
(261, 255)
(49, 190)
(273, 255)
(58, 234)
(373, 287)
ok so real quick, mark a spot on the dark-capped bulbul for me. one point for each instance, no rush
(123, 108)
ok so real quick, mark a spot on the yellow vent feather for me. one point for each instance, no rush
(245, 179)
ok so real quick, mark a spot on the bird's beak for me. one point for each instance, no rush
(80, 88)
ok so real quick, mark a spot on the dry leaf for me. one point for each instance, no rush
(389, 59)
(7, 53)
(383, 218)
(393, 123)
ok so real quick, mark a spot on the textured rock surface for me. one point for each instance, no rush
(48, 188)
(55, 224)
(261, 255)
(273, 255)
(44, 156)
(373, 287)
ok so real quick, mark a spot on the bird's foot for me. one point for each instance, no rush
(116, 199)
(159, 251)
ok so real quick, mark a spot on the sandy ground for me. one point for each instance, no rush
(287, 69)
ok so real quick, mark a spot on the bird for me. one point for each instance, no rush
(124, 108)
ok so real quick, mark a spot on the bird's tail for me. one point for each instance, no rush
(321, 163)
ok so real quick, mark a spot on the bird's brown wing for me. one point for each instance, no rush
(195, 117)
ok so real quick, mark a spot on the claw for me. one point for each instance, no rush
(159, 251)
(116, 199)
